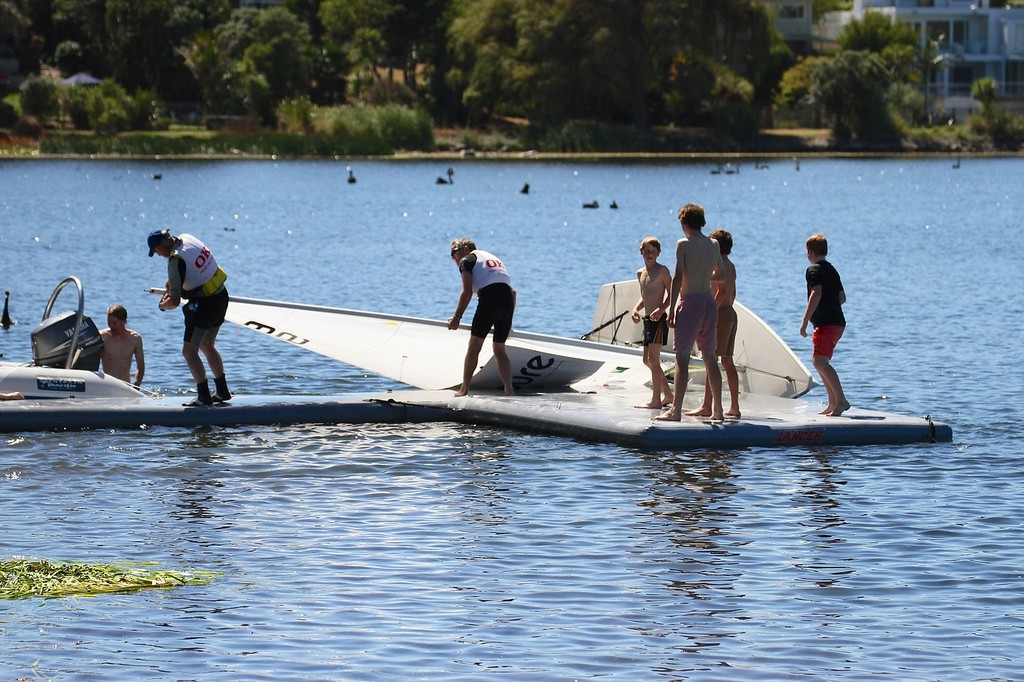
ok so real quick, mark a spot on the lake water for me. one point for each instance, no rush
(451, 552)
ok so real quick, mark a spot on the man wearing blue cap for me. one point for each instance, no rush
(193, 274)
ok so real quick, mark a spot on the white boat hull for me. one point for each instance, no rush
(43, 383)
(765, 364)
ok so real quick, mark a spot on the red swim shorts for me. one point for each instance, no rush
(825, 339)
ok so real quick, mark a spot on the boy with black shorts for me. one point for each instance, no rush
(485, 275)
(193, 274)
(655, 289)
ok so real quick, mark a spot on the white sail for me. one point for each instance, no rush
(766, 365)
(426, 354)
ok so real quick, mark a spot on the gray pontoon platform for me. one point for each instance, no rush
(607, 416)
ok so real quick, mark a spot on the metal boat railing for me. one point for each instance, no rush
(73, 350)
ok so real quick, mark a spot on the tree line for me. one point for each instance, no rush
(635, 63)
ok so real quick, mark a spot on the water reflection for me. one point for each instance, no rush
(816, 497)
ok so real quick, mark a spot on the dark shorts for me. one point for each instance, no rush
(204, 316)
(656, 332)
(494, 309)
(726, 331)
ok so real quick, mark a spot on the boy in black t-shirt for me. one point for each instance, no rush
(825, 299)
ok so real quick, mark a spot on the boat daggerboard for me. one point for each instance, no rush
(426, 354)
(765, 364)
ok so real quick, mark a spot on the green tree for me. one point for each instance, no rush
(483, 45)
(1003, 128)
(39, 97)
(795, 85)
(13, 21)
(607, 60)
(68, 57)
(251, 62)
(209, 66)
(82, 21)
(383, 36)
(984, 90)
(820, 7)
(851, 88)
(143, 36)
(875, 32)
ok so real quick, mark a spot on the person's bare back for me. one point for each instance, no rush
(724, 283)
(696, 256)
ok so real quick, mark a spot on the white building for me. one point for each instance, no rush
(793, 20)
(973, 40)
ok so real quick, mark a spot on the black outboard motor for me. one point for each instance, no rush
(52, 339)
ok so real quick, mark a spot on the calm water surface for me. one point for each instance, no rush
(450, 552)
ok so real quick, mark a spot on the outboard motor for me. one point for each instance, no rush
(52, 338)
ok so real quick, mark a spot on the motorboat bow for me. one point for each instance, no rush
(66, 350)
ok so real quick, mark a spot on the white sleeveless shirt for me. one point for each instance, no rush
(488, 270)
(200, 265)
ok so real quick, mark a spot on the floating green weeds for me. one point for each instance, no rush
(21, 578)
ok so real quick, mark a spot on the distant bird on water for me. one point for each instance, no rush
(613, 204)
(592, 204)
(525, 189)
(6, 321)
(351, 176)
(158, 176)
(449, 181)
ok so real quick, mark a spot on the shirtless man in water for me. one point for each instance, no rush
(696, 317)
(120, 345)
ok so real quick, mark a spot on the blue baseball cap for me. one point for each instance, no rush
(156, 238)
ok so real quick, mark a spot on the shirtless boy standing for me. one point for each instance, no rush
(723, 287)
(655, 286)
(120, 345)
(696, 317)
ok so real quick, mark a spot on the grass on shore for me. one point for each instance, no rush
(501, 139)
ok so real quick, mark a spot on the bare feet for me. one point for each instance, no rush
(699, 412)
(670, 416)
(462, 392)
(732, 414)
(667, 401)
(839, 409)
(650, 406)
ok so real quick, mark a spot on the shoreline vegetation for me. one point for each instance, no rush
(491, 143)
(394, 131)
